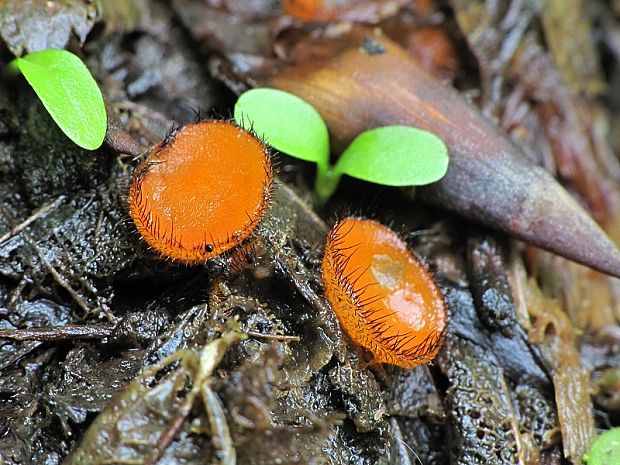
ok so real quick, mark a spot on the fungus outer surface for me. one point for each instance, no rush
(385, 299)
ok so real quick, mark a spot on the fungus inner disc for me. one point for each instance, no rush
(399, 294)
(203, 192)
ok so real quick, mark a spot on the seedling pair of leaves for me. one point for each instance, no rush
(390, 155)
(69, 93)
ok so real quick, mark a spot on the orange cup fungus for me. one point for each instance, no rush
(203, 192)
(385, 300)
(304, 10)
(309, 10)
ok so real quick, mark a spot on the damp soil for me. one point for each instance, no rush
(111, 354)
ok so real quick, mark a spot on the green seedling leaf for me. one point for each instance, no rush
(605, 450)
(69, 93)
(395, 156)
(286, 122)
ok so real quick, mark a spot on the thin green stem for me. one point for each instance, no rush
(12, 69)
(326, 182)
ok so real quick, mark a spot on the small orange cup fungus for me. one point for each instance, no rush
(386, 301)
(304, 10)
(203, 192)
(311, 10)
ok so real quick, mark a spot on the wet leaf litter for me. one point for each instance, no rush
(525, 327)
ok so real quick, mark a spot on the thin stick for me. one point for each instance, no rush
(167, 436)
(55, 274)
(38, 213)
(294, 198)
(274, 337)
(60, 280)
(58, 333)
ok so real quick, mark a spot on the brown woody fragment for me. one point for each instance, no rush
(489, 179)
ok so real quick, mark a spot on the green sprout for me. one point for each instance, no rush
(390, 155)
(605, 450)
(69, 93)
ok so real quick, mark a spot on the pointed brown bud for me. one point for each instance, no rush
(372, 82)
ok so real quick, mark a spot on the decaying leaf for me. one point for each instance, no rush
(552, 328)
(163, 406)
(568, 32)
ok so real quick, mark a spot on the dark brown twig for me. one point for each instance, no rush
(58, 333)
(168, 435)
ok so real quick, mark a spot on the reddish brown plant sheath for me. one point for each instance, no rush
(369, 81)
